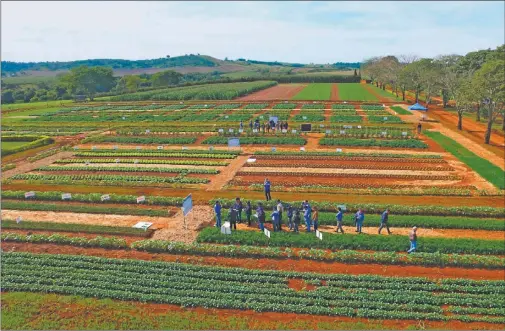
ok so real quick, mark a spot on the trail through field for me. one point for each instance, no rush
(25, 166)
(227, 174)
(334, 92)
(476, 131)
(278, 92)
(299, 265)
(200, 217)
(470, 145)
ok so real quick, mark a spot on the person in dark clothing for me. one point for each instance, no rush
(384, 221)
(268, 127)
(250, 124)
(340, 217)
(276, 220)
(286, 125)
(261, 216)
(266, 185)
(238, 206)
(297, 220)
(290, 218)
(263, 127)
(248, 212)
(241, 125)
(232, 218)
(419, 127)
(217, 210)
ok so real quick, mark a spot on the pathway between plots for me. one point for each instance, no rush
(227, 174)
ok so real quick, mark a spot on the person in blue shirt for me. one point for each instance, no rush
(290, 217)
(360, 218)
(261, 216)
(307, 215)
(250, 124)
(266, 185)
(241, 125)
(238, 207)
(217, 210)
(276, 220)
(340, 217)
(384, 221)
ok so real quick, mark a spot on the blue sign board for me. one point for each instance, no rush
(187, 205)
(233, 142)
(274, 118)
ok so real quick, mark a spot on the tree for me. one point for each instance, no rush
(489, 85)
(412, 77)
(449, 76)
(89, 80)
(464, 97)
(355, 72)
(429, 78)
(131, 82)
(7, 96)
(165, 78)
(369, 68)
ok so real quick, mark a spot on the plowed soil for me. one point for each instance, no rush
(278, 92)
(334, 92)
(267, 264)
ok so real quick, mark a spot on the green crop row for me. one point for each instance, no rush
(165, 151)
(256, 106)
(405, 143)
(384, 119)
(308, 117)
(215, 287)
(140, 140)
(88, 209)
(336, 106)
(71, 227)
(400, 110)
(258, 141)
(145, 161)
(313, 106)
(392, 243)
(346, 118)
(201, 106)
(284, 106)
(352, 154)
(66, 240)
(94, 198)
(32, 142)
(129, 169)
(372, 107)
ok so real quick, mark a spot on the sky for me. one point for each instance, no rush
(300, 32)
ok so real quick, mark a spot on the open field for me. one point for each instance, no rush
(124, 162)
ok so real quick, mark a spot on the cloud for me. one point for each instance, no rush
(319, 32)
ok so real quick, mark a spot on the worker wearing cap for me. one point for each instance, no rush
(413, 240)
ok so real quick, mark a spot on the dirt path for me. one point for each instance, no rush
(25, 166)
(312, 142)
(334, 92)
(470, 145)
(200, 217)
(227, 174)
(278, 92)
(298, 265)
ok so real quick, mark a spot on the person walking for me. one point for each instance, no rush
(241, 125)
(238, 207)
(276, 220)
(315, 218)
(248, 212)
(266, 186)
(217, 210)
(250, 125)
(263, 127)
(261, 216)
(413, 240)
(360, 219)
(384, 221)
(419, 127)
(286, 125)
(280, 209)
(232, 218)
(306, 215)
(268, 127)
(290, 217)
(340, 217)
(297, 220)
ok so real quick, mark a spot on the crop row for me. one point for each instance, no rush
(287, 182)
(258, 140)
(421, 157)
(391, 243)
(144, 161)
(372, 107)
(346, 118)
(129, 169)
(346, 175)
(165, 151)
(308, 117)
(337, 157)
(88, 209)
(384, 119)
(108, 179)
(140, 140)
(284, 106)
(31, 142)
(336, 106)
(347, 166)
(155, 153)
(220, 288)
(406, 143)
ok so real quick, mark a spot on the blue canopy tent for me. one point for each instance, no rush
(417, 107)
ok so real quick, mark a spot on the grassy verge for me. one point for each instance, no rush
(315, 91)
(400, 110)
(354, 91)
(332, 241)
(483, 167)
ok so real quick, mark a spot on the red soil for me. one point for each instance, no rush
(267, 264)
(334, 92)
(278, 92)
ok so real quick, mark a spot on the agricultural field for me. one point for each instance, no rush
(69, 241)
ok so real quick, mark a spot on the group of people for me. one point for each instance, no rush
(266, 126)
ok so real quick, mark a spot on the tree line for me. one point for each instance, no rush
(474, 82)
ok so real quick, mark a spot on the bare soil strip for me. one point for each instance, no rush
(220, 180)
(26, 166)
(278, 92)
(334, 92)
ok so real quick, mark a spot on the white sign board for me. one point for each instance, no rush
(251, 160)
(342, 131)
(359, 126)
(240, 130)
(226, 116)
(141, 199)
(302, 149)
(142, 225)
(29, 194)
(136, 161)
(93, 147)
(226, 228)
(343, 207)
(138, 148)
(304, 117)
(160, 147)
(220, 130)
(339, 150)
(321, 125)
(319, 234)
(385, 118)
(384, 133)
(404, 134)
(148, 131)
(105, 197)
(293, 131)
(274, 149)
(184, 148)
(267, 232)
(255, 130)
(115, 147)
(66, 196)
(19, 219)
(262, 117)
(284, 131)
(328, 131)
(230, 130)
(211, 148)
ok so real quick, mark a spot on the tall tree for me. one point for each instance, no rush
(166, 78)
(489, 85)
(429, 78)
(89, 80)
(449, 76)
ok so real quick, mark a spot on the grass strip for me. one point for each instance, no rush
(400, 110)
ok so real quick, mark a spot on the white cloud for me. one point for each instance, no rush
(256, 30)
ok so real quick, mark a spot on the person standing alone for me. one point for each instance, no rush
(413, 240)
(266, 185)
(360, 218)
(248, 212)
(384, 221)
(217, 210)
(340, 216)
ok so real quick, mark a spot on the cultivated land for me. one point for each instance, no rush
(84, 251)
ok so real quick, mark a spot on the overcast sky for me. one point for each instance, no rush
(305, 32)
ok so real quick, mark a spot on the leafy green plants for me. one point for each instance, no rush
(145, 161)
(400, 110)
(141, 140)
(292, 140)
(384, 119)
(346, 118)
(129, 169)
(284, 106)
(405, 143)
(9, 145)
